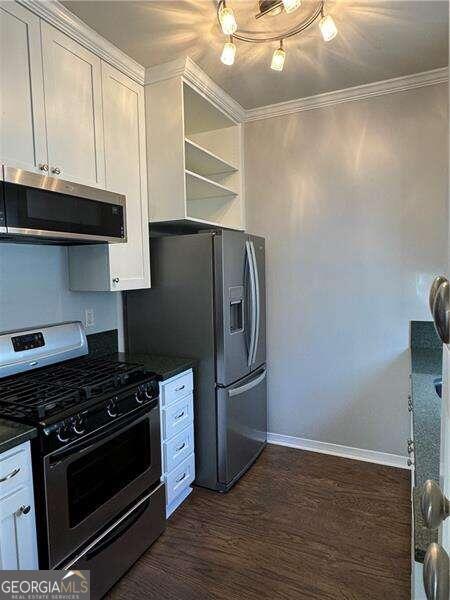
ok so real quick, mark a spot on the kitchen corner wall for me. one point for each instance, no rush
(352, 200)
(34, 290)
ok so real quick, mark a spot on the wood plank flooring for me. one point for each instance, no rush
(299, 525)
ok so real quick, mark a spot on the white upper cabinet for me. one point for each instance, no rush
(194, 150)
(126, 172)
(73, 106)
(120, 266)
(22, 121)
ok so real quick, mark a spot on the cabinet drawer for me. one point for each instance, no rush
(176, 417)
(177, 387)
(180, 478)
(178, 448)
(14, 468)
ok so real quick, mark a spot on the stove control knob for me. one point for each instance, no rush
(111, 409)
(151, 390)
(139, 397)
(79, 425)
(63, 434)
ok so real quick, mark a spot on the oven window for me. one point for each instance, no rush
(98, 475)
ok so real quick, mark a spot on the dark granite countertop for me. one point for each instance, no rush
(164, 366)
(426, 366)
(12, 434)
(106, 344)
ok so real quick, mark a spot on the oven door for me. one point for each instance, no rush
(89, 484)
(50, 208)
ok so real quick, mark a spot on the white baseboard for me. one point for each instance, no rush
(381, 458)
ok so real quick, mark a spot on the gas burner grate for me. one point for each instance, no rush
(47, 391)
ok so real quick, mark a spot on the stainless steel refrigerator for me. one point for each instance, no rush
(207, 301)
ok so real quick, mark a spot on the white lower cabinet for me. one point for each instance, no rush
(177, 438)
(18, 544)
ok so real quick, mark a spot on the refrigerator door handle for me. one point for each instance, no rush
(258, 305)
(248, 386)
(253, 301)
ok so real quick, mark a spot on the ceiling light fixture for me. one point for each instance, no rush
(228, 52)
(291, 5)
(227, 19)
(278, 58)
(310, 13)
(328, 28)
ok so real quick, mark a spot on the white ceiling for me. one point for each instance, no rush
(377, 40)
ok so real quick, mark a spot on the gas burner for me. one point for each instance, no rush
(48, 391)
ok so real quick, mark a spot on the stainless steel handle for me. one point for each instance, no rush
(113, 527)
(258, 302)
(252, 303)
(437, 282)
(441, 312)
(181, 387)
(10, 475)
(56, 170)
(435, 506)
(182, 447)
(248, 386)
(43, 167)
(436, 573)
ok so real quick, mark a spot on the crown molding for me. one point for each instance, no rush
(59, 16)
(360, 92)
(193, 75)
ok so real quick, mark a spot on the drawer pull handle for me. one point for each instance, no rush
(182, 447)
(179, 479)
(179, 388)
(179, 416)
(10, 475)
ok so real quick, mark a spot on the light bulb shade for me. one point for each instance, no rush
(291, 5)
(328, 28)
(228, 53)
(227, 20)
(278, 59)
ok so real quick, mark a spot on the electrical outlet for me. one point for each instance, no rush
(89, 317)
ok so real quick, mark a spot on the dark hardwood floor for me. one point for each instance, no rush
(299, 525)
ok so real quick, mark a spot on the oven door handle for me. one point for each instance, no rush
(115, 531)
(83, 444)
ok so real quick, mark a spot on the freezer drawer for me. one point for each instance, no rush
(241, 424)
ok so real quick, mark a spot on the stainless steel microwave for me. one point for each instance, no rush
(40, 209)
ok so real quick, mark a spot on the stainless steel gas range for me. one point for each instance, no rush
(96, 459)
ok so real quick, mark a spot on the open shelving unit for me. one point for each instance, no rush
(204, 162)
(199, 188)
(194, 154)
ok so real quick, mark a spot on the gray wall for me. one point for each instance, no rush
(353, 202)
(34, 290)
